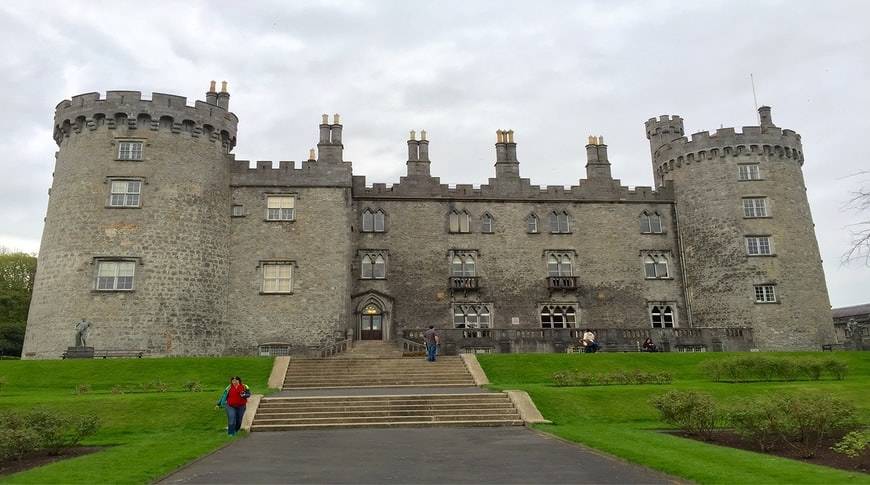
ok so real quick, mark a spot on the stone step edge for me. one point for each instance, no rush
(387, 424)
(388, 396)
(297, 388)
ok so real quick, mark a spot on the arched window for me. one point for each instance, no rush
(559, 265)
(553, 265)
(532, 224)
(469, 266)
(662, 316)
(462, 265)
(380, 267)
(368, 222)
(472, 316)
(565, 266)
(379, 221)
(656, 266)
(486, 224)
(456, 268)
(650, 223)
(559, 222)
(367, 267)
(558, 316)
(459, 221)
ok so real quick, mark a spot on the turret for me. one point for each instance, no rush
(661, 132)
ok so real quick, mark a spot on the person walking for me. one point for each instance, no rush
(234, 400)
(431, 338)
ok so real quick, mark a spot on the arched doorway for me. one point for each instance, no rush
(371, 323)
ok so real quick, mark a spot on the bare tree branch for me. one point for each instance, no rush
(859, 248)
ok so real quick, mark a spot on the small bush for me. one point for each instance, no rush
(836, 368)
(812, 368)
(692, 412)
(713, 369)
(764, 368)
(83, 389)
(635, 377)
(193, 386)
(758, 420)
(810, 418)
(852, 445)
(42, 430)
(160, 386)
(17, 442)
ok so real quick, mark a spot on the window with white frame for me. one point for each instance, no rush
(277, 277)
(532, 224)
(661, 315)
(558, 316)
(463, 263)
(655, 265)
(472, 315)
(755, 207)
(759, 245)
(125, 193)
(459, 221)
(280, 207)
(650, 223)
(130, 150)
(373, 221)
(486, 224)
(559, 223)
(765, 293)
(115, 275)
(748, 171)
(238, 210)
(373, 266)
(560, 264)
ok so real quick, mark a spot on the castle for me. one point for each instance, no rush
(165, 242)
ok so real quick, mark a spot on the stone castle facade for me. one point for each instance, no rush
(165, 242)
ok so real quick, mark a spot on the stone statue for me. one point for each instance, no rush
(82, 329)
(852, 328)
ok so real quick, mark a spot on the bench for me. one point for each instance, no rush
(613, 347)
(119, 353)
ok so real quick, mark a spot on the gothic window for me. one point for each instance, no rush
(472, 315)
(559, 264)
(130, 150)
(373, 221)
(373, 265)
(486, 224)
(765, 293)
(463, 263)
(280, 207)
(748, 172)
(115, 275)
(759, 245)
(532, 224)
(651, 223)
(755, 207)
(656, 266)
(662, 315)
(277, 277)
(459, 221)
(558, 316)
(559, 223)
(125, 193)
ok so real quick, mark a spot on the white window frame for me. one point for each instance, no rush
(562, 222)
(487, 223)
(755, 207)
(285, 212)
(130, 150)
(237, 210)
(463, 264)
(567, 312)
(373, 266)
(765, 293)
(748, 171)
(560, 264)
(283, 282)
(532, 224)
(656, 266)
(663, 309)
(372, 221)
(759, 245)
(651, 223)
(125, 195)
(115, 269)
(473, 315)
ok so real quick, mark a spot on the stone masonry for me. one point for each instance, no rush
(200, 239)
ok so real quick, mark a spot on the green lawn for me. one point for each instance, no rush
(149, 433)
(619, 420)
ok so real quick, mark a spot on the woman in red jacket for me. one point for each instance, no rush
(234, 399)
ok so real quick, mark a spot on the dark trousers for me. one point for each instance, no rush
(234, 418)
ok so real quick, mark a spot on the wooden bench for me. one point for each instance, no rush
(119, 353)
(619, 348)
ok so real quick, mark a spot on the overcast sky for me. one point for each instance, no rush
(554, 72)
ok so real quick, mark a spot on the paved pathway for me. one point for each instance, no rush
(410, 455)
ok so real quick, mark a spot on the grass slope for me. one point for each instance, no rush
(150, 433)
(619, 419)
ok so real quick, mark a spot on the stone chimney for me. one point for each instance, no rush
(597, 164)
(764, 118)
(330, 148)
(418, 155)
(211, 95)
(223, 97)
(506, 164)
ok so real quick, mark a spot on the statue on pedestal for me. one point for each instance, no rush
(82, 330)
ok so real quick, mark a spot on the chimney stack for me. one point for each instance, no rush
(506, 164)
(211, 95)
(418, 155)
(764, 117)
(330, 148)
(597, 164)
(223, 97)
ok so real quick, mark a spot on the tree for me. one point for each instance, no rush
(17, 271)
(860, 203)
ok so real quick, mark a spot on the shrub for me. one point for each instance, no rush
(836, 368)
(812, 368)
(42, 430)
(808, 419)
(635, 377)
(758, 420)
(852, 445)
(160, 386)
(17, 442)
(713, 368)
(760, 367)
(193, 386)
(83, 389)
(692, 412)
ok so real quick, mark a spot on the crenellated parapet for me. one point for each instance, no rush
(310, 173)
(127, 109)
(671, 150)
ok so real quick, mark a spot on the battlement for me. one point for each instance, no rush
(311, 173)
(163, 111)
(665, 124)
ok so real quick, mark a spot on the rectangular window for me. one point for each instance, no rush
(748, 172)
(765, 294)
(759, 245)
(280, 208)
(115, 275)
(238, 210)
(755, 207)
(277, 277)
(125, 193)
(130, 150)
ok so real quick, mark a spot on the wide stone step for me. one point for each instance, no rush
(350, 412)
(265, 403)
(377, 373)
(386, 380)
(394, 419)
(368, 386)
(472, 406)
(390, 424)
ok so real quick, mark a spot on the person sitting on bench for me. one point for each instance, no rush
(649, 345)
(588, 342)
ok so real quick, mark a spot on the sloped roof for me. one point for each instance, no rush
(851, 311)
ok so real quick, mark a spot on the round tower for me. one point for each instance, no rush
(137, 228)
(749, 245)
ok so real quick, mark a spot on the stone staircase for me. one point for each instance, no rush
(357, 372)
(371, 349)
(478, 409)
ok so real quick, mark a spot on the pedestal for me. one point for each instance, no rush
(79, 353)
